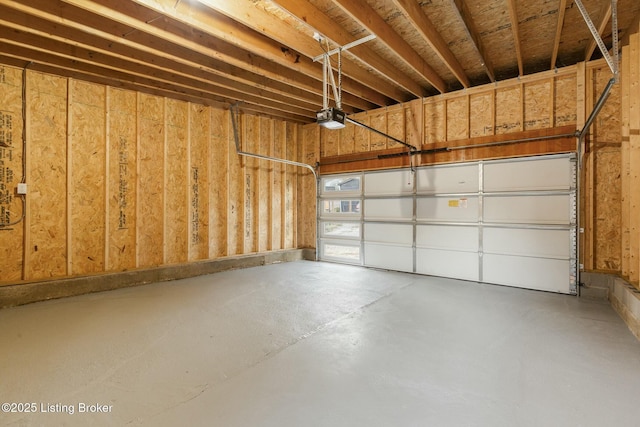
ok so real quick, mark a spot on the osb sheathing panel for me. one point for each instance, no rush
(362, 135)
(264, 187)
(435, 121)
(307, 195)
(607, 164)
(219, 191)
(378, 122)
(47, 112)
(251, 144)
(87, 187)
(457, 118)
(123, 176)
(291, 183)
(236, 180)
(607, 206)
(481, 114)
(508, 110)
(151, 195)
(565, 101)
(347, 139)
(413, 118)
(176, 185)
(395, 126)
(11, 171)
(331, 141)
(199, 179)
(279, 178)
(537, 105)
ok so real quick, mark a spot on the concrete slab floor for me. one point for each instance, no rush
(317, 344)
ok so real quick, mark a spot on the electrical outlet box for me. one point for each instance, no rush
(22, 188)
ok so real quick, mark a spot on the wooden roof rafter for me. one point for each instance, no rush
(371, 87)
(369, 19)
(308, 14)
(562, 8)
(470, 28)
(513, 16)
(414, 13)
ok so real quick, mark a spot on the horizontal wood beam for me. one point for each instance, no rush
(369, 19)
(316, 20)
(414, 13)
(472, 32)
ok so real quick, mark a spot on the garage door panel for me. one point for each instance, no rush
(389, 233)
(391, 183)
(400, 209)
(448, 179)
(449, 209)
(525, 272)
(454, 264)
(449, 237)
(527, 209)
(524, 175)
(391, 257)
(527, 242)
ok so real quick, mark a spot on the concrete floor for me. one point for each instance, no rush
(317, 344)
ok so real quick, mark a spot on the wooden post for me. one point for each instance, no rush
(625, 152)
(634, 158)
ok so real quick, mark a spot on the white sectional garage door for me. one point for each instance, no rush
(508, 222)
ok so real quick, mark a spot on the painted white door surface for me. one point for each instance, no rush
(508, 222)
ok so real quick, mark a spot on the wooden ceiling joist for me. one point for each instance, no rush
(412, 11)
(562, 7)
(513, 16)
(261, 52)
(308, 14)
(472, 32)
(268, 24)
(368, 18)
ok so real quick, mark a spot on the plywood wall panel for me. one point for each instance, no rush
(565, 101)
(396, 126)
(307, 195)
(331, 141)
(481, 114)
(347, 138)
(290, 188)
(279, 178)
(414, 127)
(199, 181)
(625, 189)
(607, 209)
(435, 121)
(220, 189)
(537, 105)
(150, 207)
(251, 142)
(362, 135)
(457, 118)
(508, 108)
(264, 198)
(122, 148)
(378, 122)
(47, 103)
(236, 187)
(87, 184)
(176, 186)
(11, 170)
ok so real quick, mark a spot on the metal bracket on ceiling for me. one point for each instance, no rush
(612, 62)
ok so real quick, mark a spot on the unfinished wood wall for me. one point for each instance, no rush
(119, 180)
(554, 104)
(529, 105)
(630, 158)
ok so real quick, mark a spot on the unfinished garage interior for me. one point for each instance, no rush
(343, 212)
